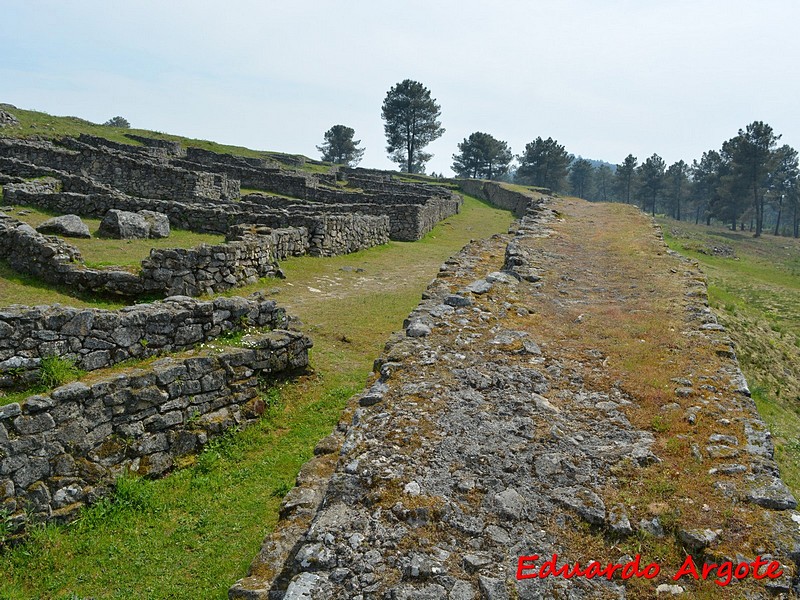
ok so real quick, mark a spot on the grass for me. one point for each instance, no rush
(102, 252)
(53, 372)
(56, 371)
(16, 288)
(193, 533)
(756, 295)
(35, 123)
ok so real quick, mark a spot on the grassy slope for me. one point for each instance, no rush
(756, 295)
(192, 534)
(34, 123)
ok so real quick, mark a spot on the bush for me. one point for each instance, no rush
(118, 122)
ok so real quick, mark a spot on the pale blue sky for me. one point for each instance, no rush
(605, 78)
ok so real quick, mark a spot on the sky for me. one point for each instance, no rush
(604, 77)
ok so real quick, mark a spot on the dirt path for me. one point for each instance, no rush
(592, 409)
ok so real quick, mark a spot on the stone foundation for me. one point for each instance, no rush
(63, 450)
(94, 338)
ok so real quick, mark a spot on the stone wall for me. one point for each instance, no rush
(171, 147)
(94, 338)
(148, 153)
(208, 269)
(55, 261)
(69, 183)
(326, 236)
(205, 269)
(268, 178)
(214, 159)
(63, 450)
(132, 175)
(496, 194)
(407, 222)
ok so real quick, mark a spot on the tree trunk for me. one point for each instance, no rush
(780, 210)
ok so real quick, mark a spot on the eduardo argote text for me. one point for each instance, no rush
(529, 567)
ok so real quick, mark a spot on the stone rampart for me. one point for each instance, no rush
(130, 174)
(497, 194)
(63, 450)
(94, 338)
(485, 437)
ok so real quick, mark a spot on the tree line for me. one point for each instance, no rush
(749, 182)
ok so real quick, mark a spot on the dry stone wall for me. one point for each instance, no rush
(171, 148)
(196, 271)
(63, 450)
(130, 174)
(208, 269)
(204, 184)
(329, 234)
(55, 261)
(407, 222)
(496, 194)
(94, 338)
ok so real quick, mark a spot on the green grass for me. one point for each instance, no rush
(102, 252)
(16, 288)
(193, 534)
(56, 371)
(756, 295)
(34, 123)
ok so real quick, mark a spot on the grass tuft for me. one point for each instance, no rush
(56, 371)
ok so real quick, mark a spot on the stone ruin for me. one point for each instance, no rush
(62, 449)
(337, 537)
(197, 190)
(200, 190)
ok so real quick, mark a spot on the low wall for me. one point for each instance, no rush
(325, 233)
(128, 173)
(407, 222)
(209, 269)
(496, 194)
(61, 451)
(171, 147)
(205, 269)
(213, 159)
(69, 183)
(94, 338)
(55, 261)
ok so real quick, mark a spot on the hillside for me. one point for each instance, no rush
(754, 286)
(35, 124)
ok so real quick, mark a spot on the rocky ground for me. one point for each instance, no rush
(561, 389)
